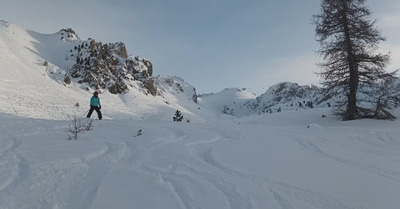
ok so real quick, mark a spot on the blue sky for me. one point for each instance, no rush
(211, 44)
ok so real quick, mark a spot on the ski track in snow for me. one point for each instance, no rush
(11, 162)
(277, 189)
(182, 157)
(308, 144)
(199, 153)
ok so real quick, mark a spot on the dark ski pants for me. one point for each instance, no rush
(91, 111)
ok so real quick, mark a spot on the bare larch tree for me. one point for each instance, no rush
(349, 43)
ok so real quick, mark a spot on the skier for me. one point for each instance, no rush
(95, 105)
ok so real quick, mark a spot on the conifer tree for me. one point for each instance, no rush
(178, 116)
(349, 41)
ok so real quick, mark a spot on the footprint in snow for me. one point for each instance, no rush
(314, 126)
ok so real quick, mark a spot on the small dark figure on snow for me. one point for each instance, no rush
(178, 116)
(139, 132)
(95, 105)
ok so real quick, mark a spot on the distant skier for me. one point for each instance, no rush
(95, 105)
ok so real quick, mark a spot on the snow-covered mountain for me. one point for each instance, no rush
(222, 101)
(65, 70)
(283, 96)
(137, 157)
(53, 72)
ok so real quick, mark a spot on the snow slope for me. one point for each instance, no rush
(287, 160)
(220, 102)
(28, 88)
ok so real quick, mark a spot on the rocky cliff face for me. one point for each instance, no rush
(108, 66)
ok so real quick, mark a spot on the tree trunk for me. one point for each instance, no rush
(351, 110)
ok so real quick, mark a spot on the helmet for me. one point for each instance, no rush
(95, 92)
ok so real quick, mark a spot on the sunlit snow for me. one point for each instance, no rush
(288, 160)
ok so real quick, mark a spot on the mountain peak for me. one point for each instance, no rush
(68, 34)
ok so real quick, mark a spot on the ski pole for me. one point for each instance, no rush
(84, 114)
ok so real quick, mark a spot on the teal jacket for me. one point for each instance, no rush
(95, 101)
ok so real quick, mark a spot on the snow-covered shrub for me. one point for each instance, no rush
(77, 125)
